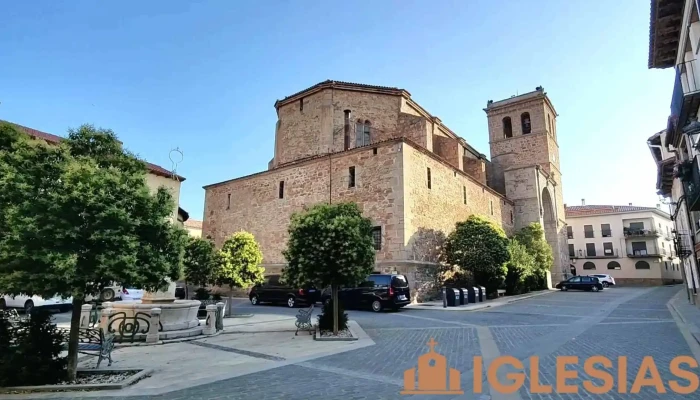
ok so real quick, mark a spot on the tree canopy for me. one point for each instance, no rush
(239, 261)
(480, 247)
(201, 261)
(532, 237)
(521, 266)
(79, 216)
(329, 245)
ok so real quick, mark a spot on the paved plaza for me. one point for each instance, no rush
(631, 322)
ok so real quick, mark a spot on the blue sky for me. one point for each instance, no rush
(203, 76)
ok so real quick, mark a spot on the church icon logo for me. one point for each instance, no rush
(432, 376)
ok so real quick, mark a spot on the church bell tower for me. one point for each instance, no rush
(525, 167)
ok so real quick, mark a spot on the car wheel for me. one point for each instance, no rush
(605, 284)
(28, 307)
(107, 295)
(291, 302)
(595, 288)
(3, 304)
(376, 306)
(254, 300)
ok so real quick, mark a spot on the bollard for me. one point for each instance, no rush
(444, 297)
(85, 311)
(220, 316)
(152, 335)
(210, 323)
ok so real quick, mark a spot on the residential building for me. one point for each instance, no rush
(157, 176)
(674, 34)
(194, 227)
(632, 244)
(410, 173)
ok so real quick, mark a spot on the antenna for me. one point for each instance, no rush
(176, 160)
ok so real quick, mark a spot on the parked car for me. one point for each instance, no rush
(378, 292)
(131, 294)
(581, 283)
(27, 303)
(275, 292)
(605, 279)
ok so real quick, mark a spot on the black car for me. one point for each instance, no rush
(378, 292)
(273, 291)
(581, 283)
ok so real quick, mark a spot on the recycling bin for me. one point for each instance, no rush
(452, 297)
(482, 293)
(477, 294)
(463, 296)
(472, 295)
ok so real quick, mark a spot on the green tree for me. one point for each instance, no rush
(200, 261)
(520, 267)
(239, 263)
(329, 245)
(480, 247)
(533, 238)
(79, 216)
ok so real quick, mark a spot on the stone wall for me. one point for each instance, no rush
(475, 168)
(255, 205)
(448, 149)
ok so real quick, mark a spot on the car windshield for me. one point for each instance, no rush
(399, 281)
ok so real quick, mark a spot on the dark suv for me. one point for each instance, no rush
(378, 292)
(273, 291)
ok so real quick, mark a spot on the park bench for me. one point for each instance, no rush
(501, 292)
(303, 321)
(92, 342)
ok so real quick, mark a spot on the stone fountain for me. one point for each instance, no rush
(134, 320)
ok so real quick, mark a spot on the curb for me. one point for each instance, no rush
(481, 306)
(353, 336)
(91, 387)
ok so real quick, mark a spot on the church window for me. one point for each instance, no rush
(281, 189)
(301, 104)
(464, 194)
(507, 128)
(351, 172)
(491, 206)
(525, 121)
(430, 183)
(511, 217)
(228, 202)
(362, 133)
(377, 237)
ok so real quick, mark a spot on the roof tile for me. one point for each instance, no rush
(582, 211)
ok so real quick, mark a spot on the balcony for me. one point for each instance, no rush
(684, 248)
(688, 173)
(607, 253)
(644, 254)
(684, 100)
(632, 233)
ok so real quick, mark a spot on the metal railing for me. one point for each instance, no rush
(643, 253)
(628, 232)
(606, 253)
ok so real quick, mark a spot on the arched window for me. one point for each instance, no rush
(642, 265)
(589, 265)
(549, 125)
(507, 128)
(525, 122)
(614, 265)
(362, 133)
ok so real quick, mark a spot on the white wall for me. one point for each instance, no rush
(155, 181)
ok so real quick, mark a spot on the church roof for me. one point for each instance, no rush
(341, 85)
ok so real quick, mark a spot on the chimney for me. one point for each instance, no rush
(583, 202)
(630, 203)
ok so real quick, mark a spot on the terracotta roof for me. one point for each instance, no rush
(51, 138)
(665, 23)
(582, 211)
(343, 85)
(193, 224)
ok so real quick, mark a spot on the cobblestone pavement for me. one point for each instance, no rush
(617, 322)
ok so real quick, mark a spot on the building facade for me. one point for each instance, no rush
(674, 34)
(632, 244)
(412, 175)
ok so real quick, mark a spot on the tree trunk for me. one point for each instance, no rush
(230, 301)
(334, 289)
(73, 338)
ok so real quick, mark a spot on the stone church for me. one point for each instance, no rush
(410, 173)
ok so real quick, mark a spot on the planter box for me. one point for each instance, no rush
(143, 373)
(317, 336)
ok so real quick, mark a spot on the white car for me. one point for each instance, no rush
(131, 294)
(605, 279)
(27, 302)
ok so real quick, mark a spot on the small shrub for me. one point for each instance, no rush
(202, 294)
(31, 352)
(325, 319)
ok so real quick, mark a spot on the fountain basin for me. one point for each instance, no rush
(175, 316)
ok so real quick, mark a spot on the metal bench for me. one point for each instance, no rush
(92, 342)
(303, 321)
